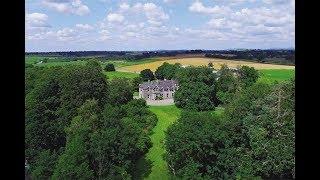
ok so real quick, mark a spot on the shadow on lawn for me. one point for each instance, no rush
(142, 169)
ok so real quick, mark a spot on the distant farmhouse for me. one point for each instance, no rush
(158, 89)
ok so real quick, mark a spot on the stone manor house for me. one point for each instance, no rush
(158, 89)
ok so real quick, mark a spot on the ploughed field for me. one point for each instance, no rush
(199, 61)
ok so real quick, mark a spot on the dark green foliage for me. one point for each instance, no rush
(81, 83)
(107, 145)
(147, 75)
(122, 139)
(96, 144)
(248, 75)
(44, 165)
(193, 145)
(254, 139)
(135, 83)
(74, 162)
(166, 71)
(32, 74)
(52, 97)
(137, 109)
(196, 74)
(196, 88)
(194, 96)
(43, 131)
(120, 91)
(227, 85)
(109, 67)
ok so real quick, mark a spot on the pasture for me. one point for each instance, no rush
(217, 63)
(116, 74)
(272, 75)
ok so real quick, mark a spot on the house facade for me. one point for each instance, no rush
(158, 89)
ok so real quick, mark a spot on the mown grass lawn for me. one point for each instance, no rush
(166, 116)
(272, 75)
(153, 166)
(117, 74)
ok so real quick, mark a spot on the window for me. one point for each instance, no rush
(148, 96)
(167, 95)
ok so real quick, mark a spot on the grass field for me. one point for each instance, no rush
(153, 166)
(201, 61)
(166, 116)
(271, 75)
(116, 74)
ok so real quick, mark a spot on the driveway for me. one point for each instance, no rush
(164, 102)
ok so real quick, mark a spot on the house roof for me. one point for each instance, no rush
(161, 84)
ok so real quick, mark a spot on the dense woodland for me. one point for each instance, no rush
(281, 56)
(255, 139)
(80, 125)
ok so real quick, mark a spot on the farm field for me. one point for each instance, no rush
(201, 61)
(116, 74)
(271, 75)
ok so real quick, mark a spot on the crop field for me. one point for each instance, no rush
(201, 62)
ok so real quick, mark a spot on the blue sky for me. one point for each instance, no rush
(77, 25)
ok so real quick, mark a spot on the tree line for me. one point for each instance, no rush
(281, 56)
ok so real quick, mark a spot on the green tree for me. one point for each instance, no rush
(227, 85)
(109, 67)
(167, 71)
(147, 75)
(135, 83)
(120, 91)
(43, 129)
(193, 144)
(74, 163)
(248, 75)
(80, 83)
(44, 165)
(254, 139)
(196, 88)
(194, 96)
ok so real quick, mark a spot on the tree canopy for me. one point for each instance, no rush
(196, 89)
(254, 139)
(109, 67)
(147, 75)
(167, 71)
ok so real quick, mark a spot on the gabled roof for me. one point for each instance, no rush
(160, 84)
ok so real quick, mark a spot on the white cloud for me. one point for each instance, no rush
(255, 24)
(67, 6)
(85, 27)
(276, 1)
(105, 35)
(124, 7)
(154, 13)
(198, 7)
(170, 1)
(37, 20)
(115, 17)
(66, 34)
